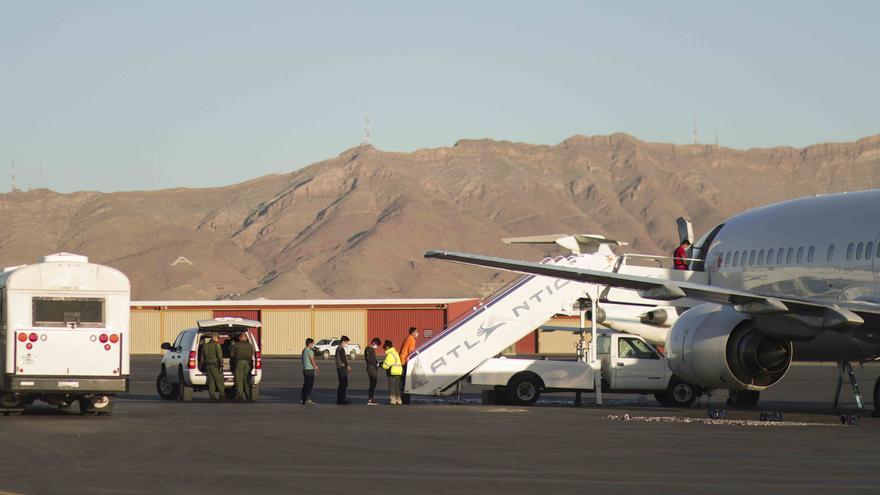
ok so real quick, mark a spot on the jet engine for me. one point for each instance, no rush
(716, 346)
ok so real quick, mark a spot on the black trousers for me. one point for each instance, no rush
(405, 397)
(308, 383)
(343, 384)
(373, 378)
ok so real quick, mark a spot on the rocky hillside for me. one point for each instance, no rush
(356, 225)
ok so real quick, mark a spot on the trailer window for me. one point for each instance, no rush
(66, 311)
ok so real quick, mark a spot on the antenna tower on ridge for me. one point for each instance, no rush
(14, 185)
(365, 141)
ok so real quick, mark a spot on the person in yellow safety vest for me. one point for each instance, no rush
(394, 369)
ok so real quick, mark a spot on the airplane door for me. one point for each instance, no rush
(685, 230)
(876, 262)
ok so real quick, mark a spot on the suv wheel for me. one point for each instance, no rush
(166, 389)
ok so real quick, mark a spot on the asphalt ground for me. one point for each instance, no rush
(279, 446)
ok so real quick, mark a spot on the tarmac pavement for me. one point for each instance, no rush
(279, 446)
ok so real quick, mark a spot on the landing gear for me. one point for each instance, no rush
(743, 398)
(844, 367)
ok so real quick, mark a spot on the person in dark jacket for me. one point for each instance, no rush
(342, 369)
(372, 368)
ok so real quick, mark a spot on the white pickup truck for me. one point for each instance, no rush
(326, 348)
(629, 365)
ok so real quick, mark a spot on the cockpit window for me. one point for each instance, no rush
(761, 257)
(800, 254)
(810, 253)
(859, 249)
(770, 256)
(830, 254)
(736, 258)
(869, 250)
(779, 256)
(849, 251)
(789, 256)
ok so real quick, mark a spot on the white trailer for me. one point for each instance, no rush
(64, 328)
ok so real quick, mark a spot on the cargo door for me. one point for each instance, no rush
(68, 352)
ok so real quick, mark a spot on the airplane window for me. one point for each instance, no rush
(720, 259)
(830, 254)
(779, 256)
(849, 251)
(727, 259)
(752, 258)
(810, 253)
(761, 257)
(736, 258)
(800, 254)
(789, 255)
(869, 250)
(770, 257)
(859, 249)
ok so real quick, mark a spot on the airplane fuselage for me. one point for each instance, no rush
(822, 248)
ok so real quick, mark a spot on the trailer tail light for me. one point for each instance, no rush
(22, 337)
(114, 338)
(33, 337)
(258, 358)
(103, 338)
(192, 360)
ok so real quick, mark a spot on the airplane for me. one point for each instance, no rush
(797, 278)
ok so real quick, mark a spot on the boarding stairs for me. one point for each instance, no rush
(496, 324)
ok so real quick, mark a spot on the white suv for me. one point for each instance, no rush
(181, 375)
(326, 348)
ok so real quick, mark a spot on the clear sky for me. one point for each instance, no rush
(142, 95)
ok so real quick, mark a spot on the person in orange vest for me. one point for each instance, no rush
(409, 345)
(679, 259)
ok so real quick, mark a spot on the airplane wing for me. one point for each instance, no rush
(827, 315)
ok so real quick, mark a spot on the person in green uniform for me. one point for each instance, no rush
(243, 354)
(213, 356)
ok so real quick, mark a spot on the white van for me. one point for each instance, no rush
(181, 372)
(65, 334)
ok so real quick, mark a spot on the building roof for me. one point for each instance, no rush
(235, 303)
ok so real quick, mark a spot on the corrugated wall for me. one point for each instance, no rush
(560, 342)
(338, 322)
(394, 324)
(175, 320)
(527, 344)
(285, 331)
(458, 309)
(146, 332)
